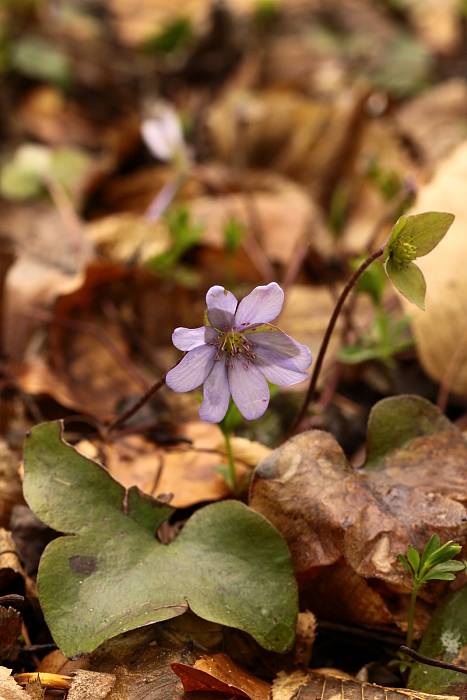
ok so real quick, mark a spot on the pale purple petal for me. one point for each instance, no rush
(277, 368)
(249, 388)
(189, 338)
(162, 133)
(280, 375)
(262, 305)
(221, 307)
(287, 351)
(216, 394)
(192, 370)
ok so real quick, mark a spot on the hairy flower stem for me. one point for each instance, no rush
(232, 474)
(327, 336)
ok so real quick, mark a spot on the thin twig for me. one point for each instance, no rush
(130, 412)
(431, 662)
(329, 330)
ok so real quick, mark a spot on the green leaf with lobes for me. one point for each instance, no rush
(110, 574)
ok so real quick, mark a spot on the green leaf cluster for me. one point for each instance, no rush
(413, 237)
(434, 563)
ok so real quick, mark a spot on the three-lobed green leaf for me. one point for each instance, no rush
(110, 574)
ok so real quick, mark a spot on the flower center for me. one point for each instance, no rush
(234, 344)
(404, 253)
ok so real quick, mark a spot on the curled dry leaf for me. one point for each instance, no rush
(326, 510)
(441, 331)
(188, 472)
(221, 675)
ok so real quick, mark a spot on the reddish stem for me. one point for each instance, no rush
(327, 336)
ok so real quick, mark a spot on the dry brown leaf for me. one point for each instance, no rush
(326, 510)
(91, 685)
(338, 593)
(125, 237)
(300, 686)
(305, 140)
(282, 211)
(10, 485)
(441, 331)
(188, 472)
(306, 315)
(10, 630)
(220, 674)
(436, 120)
(9, 689)
(48, 116)
(438, 23)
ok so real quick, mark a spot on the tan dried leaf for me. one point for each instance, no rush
(441, 331)
(317, 685)
(435, 120)
(327, 510)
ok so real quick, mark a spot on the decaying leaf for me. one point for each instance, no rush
(9, 689)
(89, 685)
(327, 510)
(435, 121)
(314, 685)
(228, 564)
(441, 332)
(188, 472)
(221, 675)
(10, 630)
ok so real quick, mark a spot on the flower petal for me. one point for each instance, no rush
(162, 133)
(221, 307)
(190, 338)
(286, 351)
(278, 368)
(281, 375)
(192, 370)
(262, 305)
(216, 394)
(249, 388)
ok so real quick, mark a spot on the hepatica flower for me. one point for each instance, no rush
(237, 353)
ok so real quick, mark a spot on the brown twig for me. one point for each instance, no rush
(130, 412)
(431, 662)
(328, 333)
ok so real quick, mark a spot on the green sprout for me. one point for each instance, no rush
(413, 237)
(435, 563)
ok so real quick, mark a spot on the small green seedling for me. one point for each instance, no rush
(435, 563)
(413, 237)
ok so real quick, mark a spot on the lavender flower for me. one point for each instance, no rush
(238, 353)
